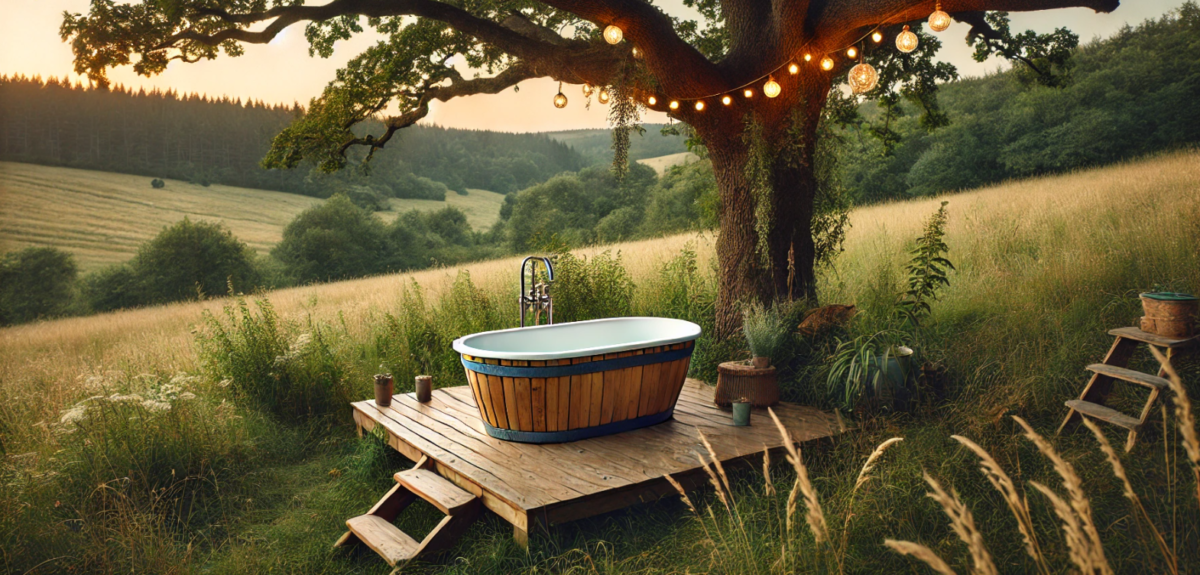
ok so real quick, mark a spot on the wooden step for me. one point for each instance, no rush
(1147, 337)
(1121, 373)
(394, 545)
(446, 496)
(1097, 411)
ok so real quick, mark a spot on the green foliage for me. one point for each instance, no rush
(193, 260)
(335, 240)
(1046, 57)
(927, 271)
(860, 367)
(595, 145)
(760, 165)
(282, 369)
(593, 288)
(158, 184)
(766, 330)
(36, 283)
(114, 287)
(685, 198)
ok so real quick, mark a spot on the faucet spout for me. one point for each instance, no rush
(537, 298)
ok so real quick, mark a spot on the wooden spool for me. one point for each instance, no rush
(740, 379)
(560, 400)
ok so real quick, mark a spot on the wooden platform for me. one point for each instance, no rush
(530, 485)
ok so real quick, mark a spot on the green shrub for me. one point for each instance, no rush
(280, 369)
(36, 283)
(335, 240)
(765, 330)
(190, 260)
(157, 184)
(591, 289)
(111, 288)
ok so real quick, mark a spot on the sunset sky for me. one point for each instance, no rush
(283, 72)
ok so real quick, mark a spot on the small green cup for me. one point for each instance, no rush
(741, 413)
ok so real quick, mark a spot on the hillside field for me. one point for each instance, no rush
(103, 217)
(663, 163)
(1044, 267)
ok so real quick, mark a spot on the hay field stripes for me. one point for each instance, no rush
(663, 163)
(103, 217)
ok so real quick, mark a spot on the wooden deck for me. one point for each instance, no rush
(530, 485)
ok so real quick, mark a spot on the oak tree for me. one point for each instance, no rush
(765, 151)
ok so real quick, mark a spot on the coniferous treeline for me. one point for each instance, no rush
(210, 140)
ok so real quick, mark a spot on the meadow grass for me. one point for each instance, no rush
(62, 208)
(1045, 268)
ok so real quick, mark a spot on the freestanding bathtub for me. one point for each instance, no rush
(570, 381)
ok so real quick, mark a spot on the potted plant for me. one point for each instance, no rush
(766, 332)
(872, 370)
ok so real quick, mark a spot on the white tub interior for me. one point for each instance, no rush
(577, 339)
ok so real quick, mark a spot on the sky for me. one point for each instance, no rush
(282, 71)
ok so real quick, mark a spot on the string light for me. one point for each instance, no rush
(560, 100)
(862, 78)
(793, 68)
(852, 52)
(877, 36)
(827, 63)
(652, 100)
(939, 21)
(808, 57)
(587, 90)
(907, 41)
(726, 100)
(613, 35)
(637, 53)
(748, 93)
(602, 97)
(674, 105)
(699, 105)
(771, 88)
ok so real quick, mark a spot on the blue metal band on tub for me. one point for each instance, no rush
(577, 434)
(578, 368)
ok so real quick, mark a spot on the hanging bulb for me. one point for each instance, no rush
(602, 97)
(907, 41)
(808, 57)
(652, 100)
(674, 105)
(726, 99)
(700, 105)
(587, 90)
(793, 68)
(560, 100)
(827, 63)
(771, 88)
(637, 53)
(862, 78)
(939, 21)
(613, 35)
(877, 36)
(852, 52)
(748, 93)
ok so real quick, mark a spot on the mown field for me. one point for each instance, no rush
(1043, 268)
(662, 163)
(103, 217)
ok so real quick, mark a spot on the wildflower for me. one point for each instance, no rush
(154, 405)
(187, 396)
(74, 415)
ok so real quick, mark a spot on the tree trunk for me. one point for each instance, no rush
(746, 273)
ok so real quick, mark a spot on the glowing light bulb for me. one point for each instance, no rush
(637, 53)
(808, 57)
(700, 106)
(907, 41)
(602, 97)
(827, 63)
(939, 21)
(793, 68)
(771, 88)
(652, 100)
(877, 36)
(674, 105)
(726, 100)
(560, 100)
(613, 35)
(852, 52)
(748, 93)
(587, 90)
(862, 78)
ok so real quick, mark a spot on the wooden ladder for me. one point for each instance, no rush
(376, 530)
(1114, 368)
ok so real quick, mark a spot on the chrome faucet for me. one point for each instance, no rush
(538, 298)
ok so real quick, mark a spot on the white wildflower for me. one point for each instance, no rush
(225, 382)
(116, 397)
(74, 415)
(187, 396)
(153, 405)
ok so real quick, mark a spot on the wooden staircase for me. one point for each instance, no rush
(1091, 402)
(376, 530)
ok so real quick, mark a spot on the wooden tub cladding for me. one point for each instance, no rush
(592, 400)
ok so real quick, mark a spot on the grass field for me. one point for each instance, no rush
(662, 163)
(103, 217)
(1044, 268)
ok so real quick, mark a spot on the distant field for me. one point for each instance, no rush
(662, 163)
(103, 217)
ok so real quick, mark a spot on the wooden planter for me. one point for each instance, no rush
(561, 400)
(1170, 315)
(740, 379)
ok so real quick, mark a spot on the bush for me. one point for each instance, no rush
(112, 288)
(157, 184)
(35, 283)
(335, 240)
(193, 260)
(591, 289)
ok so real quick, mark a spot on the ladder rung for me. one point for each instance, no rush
(446, 496)
(1103, 413)
(1147, 337)
(1144, 379)
(394, 545)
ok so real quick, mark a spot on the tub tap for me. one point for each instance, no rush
(538, 297)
